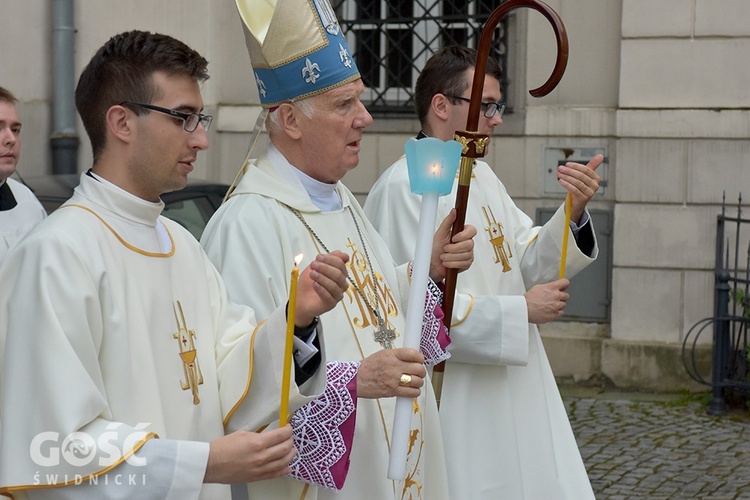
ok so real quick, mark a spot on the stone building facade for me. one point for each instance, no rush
(662, 87)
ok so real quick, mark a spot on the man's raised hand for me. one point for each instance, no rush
(321, 286)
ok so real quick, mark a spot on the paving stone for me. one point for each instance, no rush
(653, 450)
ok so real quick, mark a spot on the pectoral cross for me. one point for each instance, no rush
(384, 335)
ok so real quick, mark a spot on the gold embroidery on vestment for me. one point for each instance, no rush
(250, 363)
(372, 287)
(190, 366)
(363, 320)
(468, 310)
(500, 245)
(121, 239)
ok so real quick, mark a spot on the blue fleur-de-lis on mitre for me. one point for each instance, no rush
(344, 56)
(261, 86)
(311, 71)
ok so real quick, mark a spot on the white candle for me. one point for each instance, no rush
(414, 315)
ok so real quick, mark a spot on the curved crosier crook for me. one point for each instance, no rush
(474, 143)
(483, 51)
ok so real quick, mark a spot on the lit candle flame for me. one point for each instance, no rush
(297, 260)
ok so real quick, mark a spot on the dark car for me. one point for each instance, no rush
(191, 206)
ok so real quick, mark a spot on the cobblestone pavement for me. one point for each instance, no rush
(656, 450)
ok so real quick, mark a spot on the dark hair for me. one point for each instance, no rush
(122, 70)
(7, 96)
(445, 73)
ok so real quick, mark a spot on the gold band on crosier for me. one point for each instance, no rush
(404, 380)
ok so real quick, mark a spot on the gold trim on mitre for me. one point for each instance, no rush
(278, 32)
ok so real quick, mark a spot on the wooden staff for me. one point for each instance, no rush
(474, 143)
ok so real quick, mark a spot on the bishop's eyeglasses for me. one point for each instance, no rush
(190, 121)
(488, 108)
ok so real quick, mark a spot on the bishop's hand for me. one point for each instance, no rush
(391, 372)
(321, 286)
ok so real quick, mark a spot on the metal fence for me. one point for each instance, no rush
(731, 320)
(392, 39)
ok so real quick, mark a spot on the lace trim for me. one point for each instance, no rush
(320, 441)
(435, 339)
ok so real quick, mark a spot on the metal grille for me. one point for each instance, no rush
(391, 41)
(730, 367)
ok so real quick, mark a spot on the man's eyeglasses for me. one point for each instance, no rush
(488, 108)
(190, 121)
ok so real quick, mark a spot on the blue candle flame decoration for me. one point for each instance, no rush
(432, 164)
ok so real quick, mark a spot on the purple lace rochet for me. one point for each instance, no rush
(435, 339)
(323, 429)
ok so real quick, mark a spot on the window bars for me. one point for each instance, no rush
(391, 41)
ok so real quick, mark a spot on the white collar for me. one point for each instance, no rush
(322, 194)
